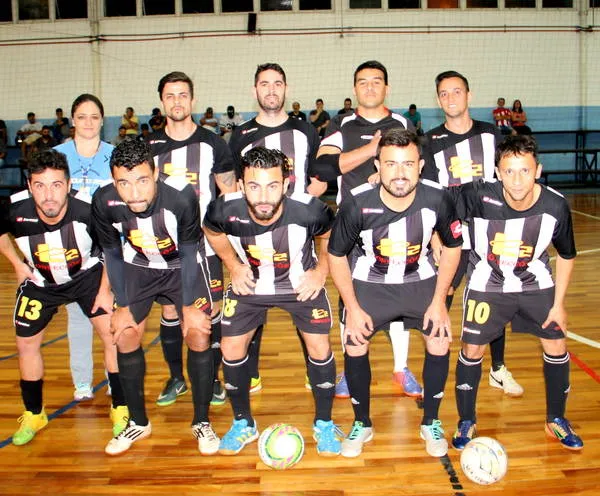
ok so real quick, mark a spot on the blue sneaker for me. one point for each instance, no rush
(325, 434)
(464, 433)
(560, 428)
(341, 387)
(407, 381)
(237, 437)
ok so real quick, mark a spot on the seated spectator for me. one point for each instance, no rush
(415, 117)
(131, 122)
(28, 134)
(519, 118)
(71, 135)
(143, 136)
(319, 118)
(347, 109)
(46, 141)
(503, 117)
(157, 121)
(209, 121)
(60, 126)
(122, 136)
(296, 113)
(228, 122)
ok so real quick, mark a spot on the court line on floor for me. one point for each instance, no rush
(586, 215)
(8, 441)
(584, 340)
(14, 355)
(585, 367)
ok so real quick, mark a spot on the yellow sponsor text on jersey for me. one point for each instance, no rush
(510, 247)
(319, 313)
(180, 171)
(390, 248)
(464, 167)
(146, 241)
(266, 254)
(50, 254)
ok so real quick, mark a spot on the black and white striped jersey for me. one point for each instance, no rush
(57, 254)
(348, 132)
(152, 237)
(297, 139)
(390, 247)
(509, 249)
(279, 254)
(454, 159)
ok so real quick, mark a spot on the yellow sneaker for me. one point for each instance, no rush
(255, 384)
(120, 418)
(30, 424)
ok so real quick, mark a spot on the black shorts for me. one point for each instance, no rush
(36, 305)
(215, 269)
(387, 303)
(145, 286)
(485, 314)
(244, 313)
(461, 270)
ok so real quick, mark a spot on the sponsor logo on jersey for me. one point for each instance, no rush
(391, 248)
(510, 247)
(216, 284)
(320, 316)
(487, 199)
(116, 203)
(260, 255)
(372, 210)
(152, 142)
(471, 331)
(202, 303)
(439, 136)
(235, 218)
(464, 167)
(368, 137)
(49, 254)
(248, 131)
(26, 219)
(176, 170)
(146, 241)
(456, 229)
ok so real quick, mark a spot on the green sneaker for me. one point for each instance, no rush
(120, 418)
(173, 388)
(30, 424)
(218, 397)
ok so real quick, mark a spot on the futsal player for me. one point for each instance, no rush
(160, 260)
(512, 222)
(267, 240)
(186, 150)
(52, 229)
(390, 277)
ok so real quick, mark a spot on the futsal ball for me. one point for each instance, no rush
(484, 460)
(280, 446)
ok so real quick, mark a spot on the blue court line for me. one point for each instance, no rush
(72, 404)
(14, 355)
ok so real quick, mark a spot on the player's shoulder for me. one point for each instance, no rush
(554, 199)
(301, 197)
(231, 197)
(438, 132)
(362, 190)
(428, 183)
(342, 120)
(484, 127)
(19, 196)
(399, 118)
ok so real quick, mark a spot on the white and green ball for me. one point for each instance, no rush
(280, 446)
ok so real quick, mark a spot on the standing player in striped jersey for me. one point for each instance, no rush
(388, 228)
(274, 129)
(267, 240)
(186, 150)
(161, 261)
(348, 153)
(459, 151)
(512, 222)
(52, 230)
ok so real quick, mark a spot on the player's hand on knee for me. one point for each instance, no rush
(437, 319)
(120, 320)
(195, 319)
(242, 280)
(358, 327)
(105, 300)
(311, 284)
(557, 316)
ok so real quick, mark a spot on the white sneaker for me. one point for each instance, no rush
(352, 445)
(503, 379)
(208, 441)
(83, 392)
(433, 435)
(129, 435)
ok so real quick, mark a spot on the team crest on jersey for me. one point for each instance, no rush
(487, 199)
(50, 254)
(464, 167)
(25, 219)
(501, 246)
(456, 229)
(116, 203)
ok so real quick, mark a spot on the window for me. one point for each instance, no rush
(5, 11)
(266, 5)
(365, 4)
(519, 4)
(404, 4)
(482, 4)
(158, 7)
(237, 6)
(71, 9)
(116, 8)
(197, 6)
(442, 4)
(316, 4)
(557, 4)
(33, 9)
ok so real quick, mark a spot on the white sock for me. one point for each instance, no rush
(399, 337)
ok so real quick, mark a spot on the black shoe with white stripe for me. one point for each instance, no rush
(131, 434)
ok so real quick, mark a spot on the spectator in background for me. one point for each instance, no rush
(60, 127)
(503, 117)
(71, 135)
(131, 122)
(347, 107)
(415, 117)
(46, 141)
(519, 118)
(157, 121)
(296, 113)
(28, 134)
(319, 118)
(229, 121)
(209, 121)
(143, 136)
(122, 136)
(3, 141)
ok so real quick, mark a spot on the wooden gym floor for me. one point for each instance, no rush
(68, 458)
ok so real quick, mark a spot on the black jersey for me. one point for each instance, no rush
(454, 159)
(152, 237)
(509, 248)
(348, 132)
(297, 139)
(390, 247)
(279, 254)
(59, 253)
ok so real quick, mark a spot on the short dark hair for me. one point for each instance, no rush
(144, 127)
(86, 97)
(130, 153)
(447, 75)
(347, 100)
(400, 137)
(319, 100)
(155, 111)
(175, 77)
(29, 114)
(130, 108)
(372, 64)
(269, 66)
(58, 110)
(46, 127)
(263, 158)
(412, 106)
(123, 127)
(47, 159)
(520, 144)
